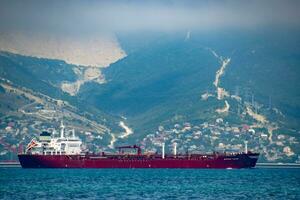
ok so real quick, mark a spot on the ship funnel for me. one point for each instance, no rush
(246, 146)
(163, 150)
(175, 148)
(62, 129)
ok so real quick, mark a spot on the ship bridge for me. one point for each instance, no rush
(50, 145)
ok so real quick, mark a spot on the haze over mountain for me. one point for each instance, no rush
(97, 51)
(195, 73)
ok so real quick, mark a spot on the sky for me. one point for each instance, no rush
(116, 16)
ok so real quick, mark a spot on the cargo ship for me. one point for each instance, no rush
(66, 152)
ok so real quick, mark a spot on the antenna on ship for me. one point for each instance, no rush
(62, 129)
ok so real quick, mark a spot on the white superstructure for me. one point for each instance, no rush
(49, 145)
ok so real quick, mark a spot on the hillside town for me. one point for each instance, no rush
(221, 136)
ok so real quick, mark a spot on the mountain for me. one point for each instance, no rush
(206, 91)
(147, 80)
(242, 78)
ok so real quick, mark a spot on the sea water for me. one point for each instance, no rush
(18, 183)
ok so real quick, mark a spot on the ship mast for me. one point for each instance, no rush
(246, 146)
(62, 129)
(175, 149)
(73, 133)
(163, 150)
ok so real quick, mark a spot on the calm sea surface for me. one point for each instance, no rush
(17, 183)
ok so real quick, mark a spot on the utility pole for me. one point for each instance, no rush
(246, 94)
(237, 91)
(256, 107)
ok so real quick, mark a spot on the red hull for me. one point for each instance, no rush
(138, 161)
